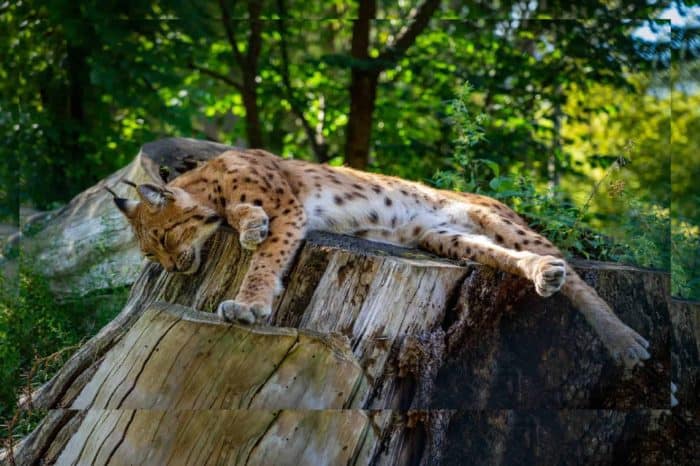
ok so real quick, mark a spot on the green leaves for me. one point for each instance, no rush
(636, 233)
(562, 97)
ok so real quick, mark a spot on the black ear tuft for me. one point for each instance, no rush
(127, 206)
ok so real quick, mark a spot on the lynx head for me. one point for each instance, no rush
(170, 225)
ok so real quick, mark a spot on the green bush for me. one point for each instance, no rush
(38, 332)
(685, 260)
(640, 237)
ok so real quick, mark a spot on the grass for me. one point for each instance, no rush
(38, 333)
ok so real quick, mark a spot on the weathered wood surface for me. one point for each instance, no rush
(177, 359)
(393, 367)
(685, 354)
(326, 276)
(502, 347)
(446, 362)
(214, 437)
(572, 437)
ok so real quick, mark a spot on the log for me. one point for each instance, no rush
(215, 437)
(374, 354)
(166, 362)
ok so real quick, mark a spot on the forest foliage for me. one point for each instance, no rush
(571, 98)
(563, 109)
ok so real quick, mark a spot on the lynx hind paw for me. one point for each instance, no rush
(233, 311)
(550, 276)
(628, 347)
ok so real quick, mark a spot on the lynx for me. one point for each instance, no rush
(272, 203)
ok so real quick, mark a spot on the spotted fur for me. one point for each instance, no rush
(273, 202)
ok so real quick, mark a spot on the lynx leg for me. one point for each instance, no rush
(623, 343)
(548, 273)
(269, 262)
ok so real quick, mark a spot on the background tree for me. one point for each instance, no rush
(365, 73)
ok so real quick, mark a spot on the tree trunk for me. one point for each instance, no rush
(376, 355)
(363, 89)
(363, 92)
(366, 72)
(252, 114)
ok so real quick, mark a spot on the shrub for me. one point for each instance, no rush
(39, 332)
(640, 237)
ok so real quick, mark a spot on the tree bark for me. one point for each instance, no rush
(363, 89)
(376, 355)
(366, 72)
(363, 92)
(252, 115)
(248, 64)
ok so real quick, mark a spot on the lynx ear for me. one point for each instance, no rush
(154, 195)
(127, 206)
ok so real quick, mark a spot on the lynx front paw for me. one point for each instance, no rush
(233, 311)
(625, 345)
(548, 275)
(254, 232)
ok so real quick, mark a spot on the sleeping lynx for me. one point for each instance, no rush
(273, 202)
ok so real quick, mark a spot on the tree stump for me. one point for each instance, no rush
(377, 355)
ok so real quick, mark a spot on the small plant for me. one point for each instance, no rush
(641, 239)
(468, 172)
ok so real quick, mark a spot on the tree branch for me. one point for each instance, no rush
(315, 139)
(367, 10)
(216, 75)
(226, 20)
(255, 36)
(409, 34)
